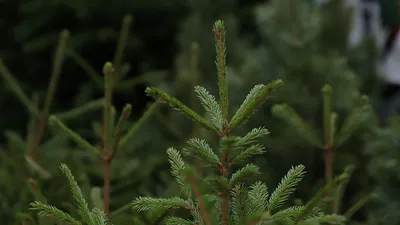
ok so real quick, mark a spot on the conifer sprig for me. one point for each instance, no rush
(108, 76)
(253, 101)
(138, 124)
(51, 211)
(211, 106)
(286, 187)
(176, 104)
(122, 42)
(324, 192)
(88, 217)
(246, 172)
(74, 136)
(258, 198)
(147, 203)
(16, 88)
(126, 112)
(220, 36)
(289, 115)
(332, 138)
(59, 57)
(202, 149)
(360, 113)
(80, 110)
(112, 133)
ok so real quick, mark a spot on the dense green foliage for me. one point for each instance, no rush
(169, 45)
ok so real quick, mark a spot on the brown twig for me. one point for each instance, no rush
(225, 208)
(107, 179)
(328, 162)
(225, 172)
(197, 193)
(33, 185)
(38, 139)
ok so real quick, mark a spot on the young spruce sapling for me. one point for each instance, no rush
(222, 197)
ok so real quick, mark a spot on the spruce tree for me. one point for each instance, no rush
(219, 194)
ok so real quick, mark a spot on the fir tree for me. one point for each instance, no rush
(221, 196)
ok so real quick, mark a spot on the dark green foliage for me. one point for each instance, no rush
(383, 146)
(231, 202)
(305, 46)
(89, 217)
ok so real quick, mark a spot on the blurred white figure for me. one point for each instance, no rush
(367, 22)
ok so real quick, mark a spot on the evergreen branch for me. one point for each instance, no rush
(80, 110)
(250, 151)
(291, 212)
(132, 131)
(58, 59)
(16, 88)
(51, 211)
(325, 191)
(177, 168)
(107, 129)
(123, 40)
(220, 35)
(99, 216)
(341, 188)
(176, 104)
(226, 144)
(203, 150)
(359, 115)
(126, 112)
(289, 115)
(258, 198)
(239, 202)
(79, 200)
(294, 211)
(178, 221)
(194, 211)
(253, 101)
(350, 212)
(92, 73)
(74, 136)
(211, 106)
(249, 171)
(258, 218)
(286, 187)
(148, 203)
(252, 136)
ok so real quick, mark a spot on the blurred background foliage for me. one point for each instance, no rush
(170, 45)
